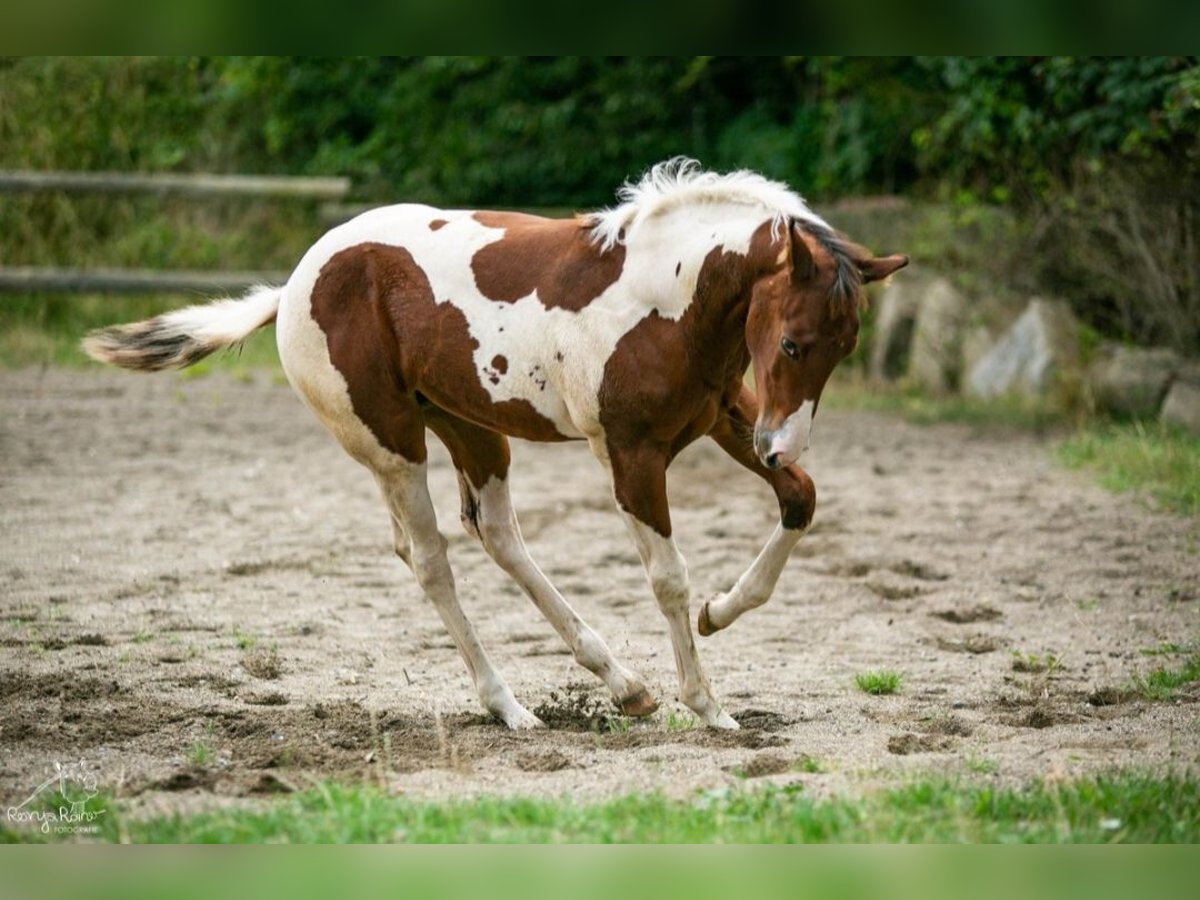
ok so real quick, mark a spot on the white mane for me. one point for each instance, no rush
(680, 181)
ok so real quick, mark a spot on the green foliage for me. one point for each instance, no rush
(1015, 124)
(1070, 175)
(555, 131)
(1121, 808)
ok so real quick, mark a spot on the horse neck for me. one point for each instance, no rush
(730, 249)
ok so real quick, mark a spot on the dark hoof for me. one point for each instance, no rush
(640, 704)
(704, 624)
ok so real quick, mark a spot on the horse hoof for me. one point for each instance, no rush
(704, 624)
(639, 705)
(521, 719)
(724, 721)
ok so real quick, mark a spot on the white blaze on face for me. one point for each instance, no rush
(791, 439)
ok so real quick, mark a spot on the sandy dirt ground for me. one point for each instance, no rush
(193, 571)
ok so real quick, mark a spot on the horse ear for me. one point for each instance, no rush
(804, 267)
(878, 267)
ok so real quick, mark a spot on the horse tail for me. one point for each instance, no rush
(177, 339)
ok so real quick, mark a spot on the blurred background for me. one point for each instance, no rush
(1051, 205)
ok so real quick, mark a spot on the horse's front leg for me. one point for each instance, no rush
(639, 476)
(797, 499)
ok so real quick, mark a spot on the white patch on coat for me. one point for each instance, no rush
(791, 439)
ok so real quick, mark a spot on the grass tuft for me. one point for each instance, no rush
(1033, 662)
(677, 721)
(1163, 683)
(879, 682)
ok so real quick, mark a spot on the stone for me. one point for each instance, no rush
(895, 318)
(1033, 357)
(1182, 404)
(1132, 381)
(977, 340)
(935, 359)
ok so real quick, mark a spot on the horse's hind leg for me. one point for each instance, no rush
(422, 546)
(482, 459)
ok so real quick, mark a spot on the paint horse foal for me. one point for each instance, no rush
(630, 328)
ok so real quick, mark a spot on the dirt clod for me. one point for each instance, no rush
(1110, 696)
(542, 761)
(908, 743)
(263, 662)
(269, 698)
(976, 643)
(761, 719)
(968, 615)
(761, 765)
(578, 708)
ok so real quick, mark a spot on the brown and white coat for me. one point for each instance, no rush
(631, 329)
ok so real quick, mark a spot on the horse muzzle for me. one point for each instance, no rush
(782, 446)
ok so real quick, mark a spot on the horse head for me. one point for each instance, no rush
(803, 321)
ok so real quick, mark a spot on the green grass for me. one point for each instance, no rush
(199, 754)
(1153, 458)
(1034, 662)
(808, 764)
(1163, 683)
(879, 682)
(243, 639)
(981, 765)
(1009, 411)
(1119, 808)
(677, 721)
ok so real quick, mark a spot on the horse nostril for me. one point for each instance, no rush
(772, 461)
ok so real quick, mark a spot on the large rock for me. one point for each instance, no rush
(1182, 404)
(935, 360)
(1132, 381)
(895, 319)
(1033, 357)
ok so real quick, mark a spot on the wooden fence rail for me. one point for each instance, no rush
(196, 186)
(188, 185)
(131, 281)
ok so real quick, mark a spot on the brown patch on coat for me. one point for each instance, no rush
(436, 224)
(666, 380)
(499, 363)
(477, 453)
(555, 257)
(393, 343)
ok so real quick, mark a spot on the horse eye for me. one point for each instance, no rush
(789, 347)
